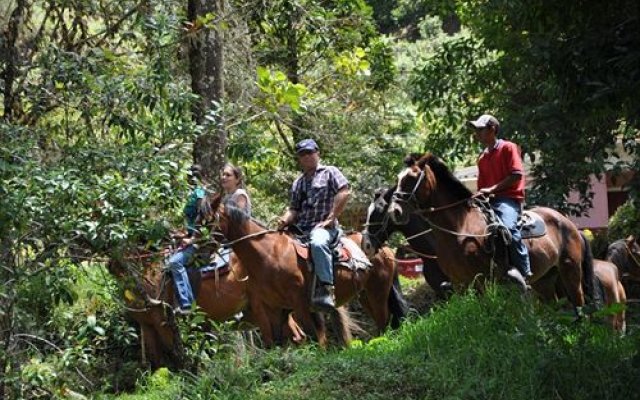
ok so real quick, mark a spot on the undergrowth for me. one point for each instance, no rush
(494, 346)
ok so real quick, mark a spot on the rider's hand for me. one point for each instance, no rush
(327, 223)
(187, 241)
(282, 223)
(486, 191)
(177, 235)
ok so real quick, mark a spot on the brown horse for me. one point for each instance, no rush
(220, 295)
(465, 242)
(614, 293)
(278, 280)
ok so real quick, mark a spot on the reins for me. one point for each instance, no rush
(384, 224)
(249, 236)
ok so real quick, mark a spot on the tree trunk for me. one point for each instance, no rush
(292, 63)
(206, 56)
(9, 56)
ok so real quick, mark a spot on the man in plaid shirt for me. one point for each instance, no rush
(318, 197)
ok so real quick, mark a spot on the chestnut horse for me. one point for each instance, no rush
(614, 293)
(378, 227)
(278, 280)
(465, 241)
(221, 295)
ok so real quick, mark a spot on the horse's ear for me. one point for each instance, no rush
(429, 178)
(410, 160)
(630, 239)
(379, 192)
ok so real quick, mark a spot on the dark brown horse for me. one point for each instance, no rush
(279, 280)
(625, 254)
(220, 295)
(417, 232)
(465, 241)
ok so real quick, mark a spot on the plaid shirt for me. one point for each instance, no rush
(312, 197)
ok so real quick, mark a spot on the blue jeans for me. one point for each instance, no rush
(178, 263)
(509, 210)
(319, 241)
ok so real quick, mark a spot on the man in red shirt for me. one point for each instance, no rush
(501, 174)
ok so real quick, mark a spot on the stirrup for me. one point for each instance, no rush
(154, 302)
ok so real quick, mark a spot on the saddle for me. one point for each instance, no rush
(346, 254)
(531, 225)
(214, 269)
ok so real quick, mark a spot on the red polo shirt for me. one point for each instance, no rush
(497, 163)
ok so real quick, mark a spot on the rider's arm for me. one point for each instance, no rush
(288, 218)
(339, 204)
(504, 184)
(241, 201)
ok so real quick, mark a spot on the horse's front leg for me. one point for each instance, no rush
(262, 321)
(311, 322)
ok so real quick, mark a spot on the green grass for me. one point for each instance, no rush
(495, 346)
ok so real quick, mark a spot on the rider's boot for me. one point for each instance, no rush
(324, 297)
(515, 276)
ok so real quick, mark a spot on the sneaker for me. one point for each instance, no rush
(514, 275)
(324, 297)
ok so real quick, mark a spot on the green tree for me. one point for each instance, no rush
(562, 77)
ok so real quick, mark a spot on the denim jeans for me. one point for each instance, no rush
(319, 241)
(509, 210)
(178, 263)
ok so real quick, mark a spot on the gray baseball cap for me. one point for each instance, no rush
(483, 121)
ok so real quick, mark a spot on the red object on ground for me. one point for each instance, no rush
(411, 268)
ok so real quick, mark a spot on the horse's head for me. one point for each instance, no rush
(376, 229)
(415, 184)
(633, 266)
(209, 209)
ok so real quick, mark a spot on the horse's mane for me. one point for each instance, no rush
(236, 214)
(444, 176)
(239, 215)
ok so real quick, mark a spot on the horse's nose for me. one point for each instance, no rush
(395, 212)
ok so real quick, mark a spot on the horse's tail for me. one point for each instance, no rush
(345, 326)
(588, 274)
(397, 305)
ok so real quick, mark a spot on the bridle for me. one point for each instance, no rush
(214, 223)
(374, 237)
(384, 224)
(410, 199)
(631, 255)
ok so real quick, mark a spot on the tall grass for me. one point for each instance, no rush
(494, 346)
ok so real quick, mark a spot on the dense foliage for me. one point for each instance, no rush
(97, 128)
(561, 76)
